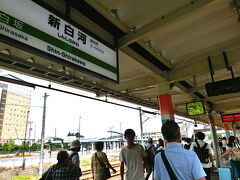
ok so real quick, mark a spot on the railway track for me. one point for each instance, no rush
(87, 174)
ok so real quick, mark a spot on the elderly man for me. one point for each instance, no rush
(73, 152)
(63, 170)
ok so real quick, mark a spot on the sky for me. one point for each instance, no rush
(64, 111)
(97, 118)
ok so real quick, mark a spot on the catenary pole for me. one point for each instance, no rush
(42, 136)
(24, 143)
(141, 124)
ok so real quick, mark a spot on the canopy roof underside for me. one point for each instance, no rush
(158, 41)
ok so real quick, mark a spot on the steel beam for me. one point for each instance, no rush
(97, 6)
(173, 16)
(185, 92)
(156, 71)
(154, 53)
(227, 106)
(201, 66)
(133, 84)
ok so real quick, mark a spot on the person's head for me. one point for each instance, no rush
(188, 140)
(171, 131)
(200, 136)
(231, 139)
(99, 146)
(62, 156)
(224, 138)
(75, 145)
(160, 142)
(150, 140)
(129, 135)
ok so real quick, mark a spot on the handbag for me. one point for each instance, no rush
(106, 170)
(235, 154)
(168, 166)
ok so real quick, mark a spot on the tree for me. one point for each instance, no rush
(11, 145)
(8, 146)
(77, 135)
(70, 134)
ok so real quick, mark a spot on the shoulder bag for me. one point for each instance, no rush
(106, 170)
(168, 166)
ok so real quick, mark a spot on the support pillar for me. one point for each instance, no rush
(226, 128)
(234, 130)
(165, 102)
(92, 147)
(214, 140)
(141, 125)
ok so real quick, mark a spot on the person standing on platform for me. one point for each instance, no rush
(150, 151)
(176, 162)
(64, 169)
(160, 145)
(202, 149)
(73, 152)
(99, 161)
(234, 162)
(134, 157)
(224, 144)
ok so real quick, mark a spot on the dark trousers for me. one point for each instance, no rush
(149, 170)
(208, 173)
(235, 169)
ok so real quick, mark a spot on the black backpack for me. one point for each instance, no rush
(202, 153)
(187, 146)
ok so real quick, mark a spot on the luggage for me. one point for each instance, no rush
(224, 174)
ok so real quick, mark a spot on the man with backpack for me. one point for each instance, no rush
(202, 149)
(150, 151)
(73, 153)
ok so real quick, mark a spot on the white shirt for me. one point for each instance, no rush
(228, 149)
(201, 144)
(224, 143)
(133, 159)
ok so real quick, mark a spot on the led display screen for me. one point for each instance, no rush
(230, 117)
(195, 108)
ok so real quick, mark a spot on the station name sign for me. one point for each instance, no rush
(223, 87)
(29, 23)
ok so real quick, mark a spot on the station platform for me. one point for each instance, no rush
(214, 175)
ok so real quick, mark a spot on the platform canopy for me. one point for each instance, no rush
(181, 42)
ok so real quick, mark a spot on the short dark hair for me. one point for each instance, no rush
(62, 156)
(129, 133)
(150, 140)
(200, 135)
(160, 142)
(99, 146)
(231, 142)
(188, 140)
(170, 131)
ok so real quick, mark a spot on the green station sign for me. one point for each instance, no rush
(40, 28)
